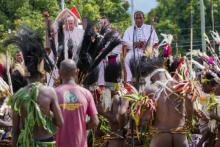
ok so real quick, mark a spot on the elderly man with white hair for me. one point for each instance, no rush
(73, 33)
(73, 36)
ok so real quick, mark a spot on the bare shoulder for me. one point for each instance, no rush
(151, 89)
(172, 83)
(47, 91)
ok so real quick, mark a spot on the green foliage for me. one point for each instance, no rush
(115, 10)
(35, 20)
(104, 125)
(34, 118)
(174, 16)
(14, 13)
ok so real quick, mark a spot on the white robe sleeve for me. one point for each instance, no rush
(128, 38)
(154, 37)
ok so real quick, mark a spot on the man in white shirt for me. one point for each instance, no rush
(137, 38)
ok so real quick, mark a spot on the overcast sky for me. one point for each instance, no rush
(144, 5)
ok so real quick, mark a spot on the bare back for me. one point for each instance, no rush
(168, 116)
(117, 118)
(170, 119)
(46, 101)
(171, 110)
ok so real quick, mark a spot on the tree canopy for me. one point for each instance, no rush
(115, 10)
(174, 16)
(15, 13)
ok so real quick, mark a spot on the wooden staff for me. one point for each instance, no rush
(50, 42)
(123, 55)
(191, 44)
(8, 72)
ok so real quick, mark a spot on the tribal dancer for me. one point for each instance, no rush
(4, 109)
(36, 111)
(112, 106)
(94, 49)
(112, 58)
(167, 130)
(3, 66)
(211, 110)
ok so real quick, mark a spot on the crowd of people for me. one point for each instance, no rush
(92, 86)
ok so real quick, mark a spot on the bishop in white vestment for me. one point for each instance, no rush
(136, 38)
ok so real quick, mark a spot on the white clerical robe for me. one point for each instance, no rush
(77, 37)
(134, 34)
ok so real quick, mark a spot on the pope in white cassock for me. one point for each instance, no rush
(137, 38)
(73, 36)
(73, 33)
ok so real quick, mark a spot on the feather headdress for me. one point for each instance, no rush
(113, 73)
(94, 49)
(31, 45)
(60, 43)
(145, 65)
